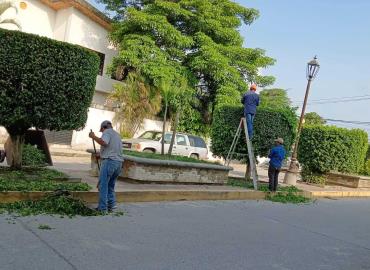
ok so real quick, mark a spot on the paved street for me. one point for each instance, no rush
(328, 234)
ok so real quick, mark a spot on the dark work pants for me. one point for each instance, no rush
(273, 178)
(249, 118)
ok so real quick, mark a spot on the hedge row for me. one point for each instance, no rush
(325, 148)
(44, 83)
(268, 125)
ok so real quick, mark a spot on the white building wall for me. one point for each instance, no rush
(37, 18)
(80, 139)
(62, 24)
(87, 33)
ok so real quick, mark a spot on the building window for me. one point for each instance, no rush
(101, 63)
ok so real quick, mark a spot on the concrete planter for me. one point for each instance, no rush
(169, 171)
(346, 180)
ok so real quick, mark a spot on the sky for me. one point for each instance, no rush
(337, 31)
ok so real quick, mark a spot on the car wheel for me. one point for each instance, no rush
(195, 156)
(148, 151)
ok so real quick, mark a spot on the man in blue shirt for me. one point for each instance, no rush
(277, 155)
(250, 101)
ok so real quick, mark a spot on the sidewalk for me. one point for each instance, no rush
(80, 166)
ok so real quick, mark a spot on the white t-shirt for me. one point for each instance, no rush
(113, 149)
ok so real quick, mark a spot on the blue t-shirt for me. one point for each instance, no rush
(277, 155)
(250, 101)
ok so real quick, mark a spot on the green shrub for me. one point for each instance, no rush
(325, 148)
(32, 156)
(44, 83)
(269, 124)
(366, 170)
(313, 177)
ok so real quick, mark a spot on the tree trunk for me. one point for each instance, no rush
(16, 148)
(174, 132)
(248, 172)
(164, 127)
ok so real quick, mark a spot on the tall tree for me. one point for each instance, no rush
(274, 99)
(194, 39)
(313, 118)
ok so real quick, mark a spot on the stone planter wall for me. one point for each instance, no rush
(170, 171)
(353, 181)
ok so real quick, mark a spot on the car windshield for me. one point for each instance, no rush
(151, 135)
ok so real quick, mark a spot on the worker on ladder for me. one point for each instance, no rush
(250, 101)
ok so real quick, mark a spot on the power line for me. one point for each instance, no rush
(339, 98)
(338, 101)
(348, 122)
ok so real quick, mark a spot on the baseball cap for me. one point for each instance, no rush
(253, 87)
(280, 140)
(105, 124)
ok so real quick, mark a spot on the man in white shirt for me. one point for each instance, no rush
(111, 164)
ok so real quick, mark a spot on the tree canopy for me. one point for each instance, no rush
(195, 40)
(313, 118)
(274, 99)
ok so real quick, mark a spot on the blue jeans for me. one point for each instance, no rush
(249, 118)
(109, 172)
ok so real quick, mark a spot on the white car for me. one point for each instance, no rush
(184, 145)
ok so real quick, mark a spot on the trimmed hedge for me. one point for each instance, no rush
(269, 124)
(44, 83)
(325, 148)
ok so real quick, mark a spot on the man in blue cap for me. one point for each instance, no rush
(277, 155)
(111, 165)
(250, 101)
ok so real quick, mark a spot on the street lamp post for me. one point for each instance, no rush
(292, 173)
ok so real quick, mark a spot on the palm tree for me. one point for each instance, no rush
(136, 100)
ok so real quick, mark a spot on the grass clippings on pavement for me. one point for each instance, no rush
(284, 194)
(59, 203)
(45, 227)
(52, 204)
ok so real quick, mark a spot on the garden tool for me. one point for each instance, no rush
(96, 156)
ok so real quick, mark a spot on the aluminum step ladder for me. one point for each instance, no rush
(252, 161)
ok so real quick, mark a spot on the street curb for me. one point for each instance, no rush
(339, 194)
(142, 196)
(177, 195)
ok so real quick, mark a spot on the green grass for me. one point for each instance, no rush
(27, 173)
(284, 194)
(238, 182)
(287, 197)
(36, 179)
(166, 157)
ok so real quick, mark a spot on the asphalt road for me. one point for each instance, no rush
(328, 234)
